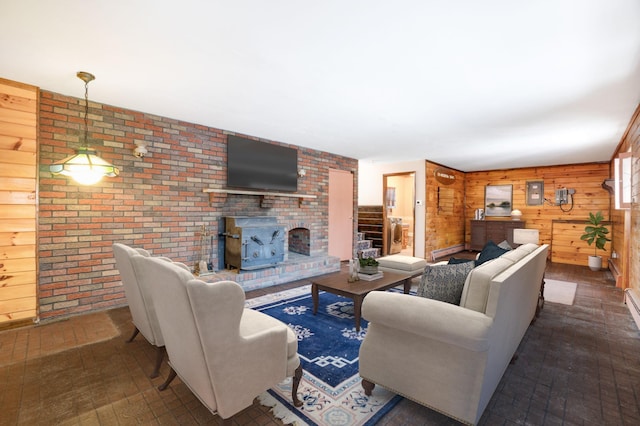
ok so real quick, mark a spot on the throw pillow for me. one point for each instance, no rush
(489, 251)
(444, 282)
(505, 245)
(453, 261)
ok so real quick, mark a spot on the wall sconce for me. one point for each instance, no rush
(85, 166)
(141, 149)
(302, 173)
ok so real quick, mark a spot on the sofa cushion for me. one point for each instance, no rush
(477, 284)
(444, 282)
(528, 247)
(505, 245)
(402, 263)
(515, 255)
(489, 251)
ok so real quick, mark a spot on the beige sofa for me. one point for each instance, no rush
(447, 357)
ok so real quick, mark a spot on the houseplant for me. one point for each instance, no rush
(596, 233)
(368, 265)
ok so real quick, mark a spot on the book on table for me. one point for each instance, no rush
(370, 277)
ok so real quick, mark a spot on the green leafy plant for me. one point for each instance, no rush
(595, 232)
(368, 261)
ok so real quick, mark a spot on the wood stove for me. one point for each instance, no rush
(253, 242)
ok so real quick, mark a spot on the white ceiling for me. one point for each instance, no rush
(473, 85)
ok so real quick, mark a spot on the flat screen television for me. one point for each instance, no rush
(260, 165)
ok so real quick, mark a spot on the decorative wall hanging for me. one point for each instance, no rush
(498, 200)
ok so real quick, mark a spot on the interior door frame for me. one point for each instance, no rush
(385, 213)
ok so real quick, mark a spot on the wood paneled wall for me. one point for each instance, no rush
(586, 179)
(443, 225)
(18, 201)
(621, 219)
(631, 219)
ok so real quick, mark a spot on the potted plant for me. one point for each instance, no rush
(596, 233)
(368, 265)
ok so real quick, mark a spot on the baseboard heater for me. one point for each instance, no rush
(632, 299)
(435, 254)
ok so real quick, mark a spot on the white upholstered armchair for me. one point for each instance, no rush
(140, 304)
(226, 354)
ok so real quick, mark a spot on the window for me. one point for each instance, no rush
(622, 165)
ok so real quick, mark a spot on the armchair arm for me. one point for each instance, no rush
(243, 359)
(429, 318)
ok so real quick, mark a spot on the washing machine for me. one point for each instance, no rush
(394, 235)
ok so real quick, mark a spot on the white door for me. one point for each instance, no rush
(341, 214)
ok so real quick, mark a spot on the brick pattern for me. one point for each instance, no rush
(157, 202)
(299, 240)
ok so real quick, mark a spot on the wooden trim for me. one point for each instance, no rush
(242, 192)
(17, 323)
(19, 84)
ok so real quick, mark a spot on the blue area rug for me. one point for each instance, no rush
(328, 345)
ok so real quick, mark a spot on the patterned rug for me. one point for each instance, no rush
(328, 345)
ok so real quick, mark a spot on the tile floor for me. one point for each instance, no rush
(577, 365)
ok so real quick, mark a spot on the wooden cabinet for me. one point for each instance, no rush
(497, 231)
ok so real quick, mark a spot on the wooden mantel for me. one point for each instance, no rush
(217, 194)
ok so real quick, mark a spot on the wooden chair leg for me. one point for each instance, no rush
(133, 336)
(297, 376)
(368, 387)
(160, 350)
(172, 375)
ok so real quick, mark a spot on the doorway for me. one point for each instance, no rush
(341, 206)
(398, 194)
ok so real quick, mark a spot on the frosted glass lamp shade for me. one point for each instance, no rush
(85, 167)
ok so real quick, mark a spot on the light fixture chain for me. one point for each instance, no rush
(86, 114)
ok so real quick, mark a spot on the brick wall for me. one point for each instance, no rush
(157, 202)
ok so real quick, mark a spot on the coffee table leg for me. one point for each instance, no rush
(357, 310)
(407, 286)
(314, 296)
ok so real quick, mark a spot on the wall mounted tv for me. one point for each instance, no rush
(260, 165)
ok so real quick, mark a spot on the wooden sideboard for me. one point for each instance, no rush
(497, 231)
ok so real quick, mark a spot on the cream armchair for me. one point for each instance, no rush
(226, 354)
(141, 307)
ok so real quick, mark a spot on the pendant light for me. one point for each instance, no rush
(85, 166)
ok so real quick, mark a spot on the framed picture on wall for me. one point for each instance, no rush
(498, 200)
